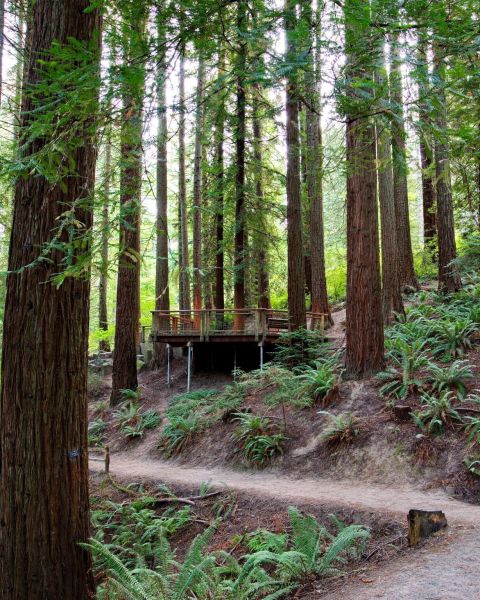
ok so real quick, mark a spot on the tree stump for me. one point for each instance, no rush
(423, 523)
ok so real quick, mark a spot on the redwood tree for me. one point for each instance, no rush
(162, 289)
(124, 374)
(296, 273)
(43, 405)
(448, 276)
(240, 134)
(364, 319)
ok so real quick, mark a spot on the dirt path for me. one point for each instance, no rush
(382, 499)
(444, 571)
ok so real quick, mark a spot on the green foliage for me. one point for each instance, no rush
(451, 377)
(178, 433)
(134, 423)
(317, 381)
(262, 540)
(473, 465)
(400, 379)
(472, 429)
(436, 413)
(453, 339)
(260, 441)
(96, 429)
(95, 384)
(342, 429)
(300, 347)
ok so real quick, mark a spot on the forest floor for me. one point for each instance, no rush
(387, 470)
(440, 570)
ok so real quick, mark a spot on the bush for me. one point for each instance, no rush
(300, 347)
(436, 413)
(96, 429)
(342, 428)
(133, 423)
(260, 441)
(453, 377)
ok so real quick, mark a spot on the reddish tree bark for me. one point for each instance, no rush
(127, 324)
(448, 276)
(162, 289)
(43, 407)
(364, 319)
(197, 194)
(314, 168)
(184, 259)
(408, 278)
(219, 199)
(426, 148)
(240, 133)
(296, 274)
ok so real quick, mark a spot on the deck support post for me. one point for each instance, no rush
(234, 362)
(168, 366)
(189, 367)
(261, 355)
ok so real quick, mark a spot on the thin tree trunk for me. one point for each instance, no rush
(391, 286)
(364, 319)
(400, 170)
(448, 276)
(219, 200)
(105, 235)
(319, 293)
(426, 149)
(197, 194)
(124, 374)
(162, 289)
(260, 241)
(184, 261)
(240, 133)
(296, 273)
(44, 503)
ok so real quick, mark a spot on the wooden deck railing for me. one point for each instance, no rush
(256, 322)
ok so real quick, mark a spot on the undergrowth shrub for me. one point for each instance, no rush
(342, 429)
(133, 422)
(134, 559)
(260, 440)
(436, 413)
(452, 377)
(96, 429)
(300, 347)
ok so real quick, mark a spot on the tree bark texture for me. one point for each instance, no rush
(364, 318)
(105, 236)
(391, 287)
(44, 504)
(296, 273)
(448, 276)
(197, 193)
(426, 148)
(219, 196)
(127, 320)
(240, 134)
(400, 171)
(314, 168)
(184, 301)
(162, 289)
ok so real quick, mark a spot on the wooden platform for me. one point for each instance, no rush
(250, 325)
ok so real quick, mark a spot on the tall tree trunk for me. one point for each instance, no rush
(105, 235)
(364, 333)
(184, 260)
(448, 276)
(426, 148)
(391, 285)
(127, 324)
(260, 240)
(44, 500)
(162, 289)
(197, 194)
(219, 200)
(296, 273)
(240, 133)
(400, 170)
(314, 164)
